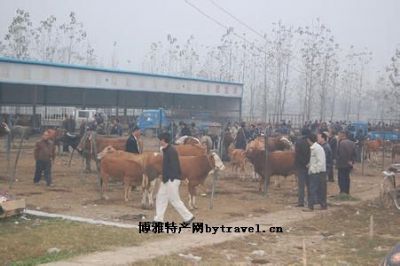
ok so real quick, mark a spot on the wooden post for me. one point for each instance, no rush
(8, 155)
(362, 159)
(371, 227)
(304, 253)
(266, 178)
(221, 139)
(97, 161)
(12, 177)
(215, 177)
(383, 155)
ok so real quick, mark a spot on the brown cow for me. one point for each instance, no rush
(274, 144)
(196, 169)
(151, 169)
(121, 165)
(279, 163)
(395, 151)
(86, 146)
(237, 159)
(372, 146)
(190, 150)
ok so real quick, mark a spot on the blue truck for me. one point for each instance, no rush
(385, 135)
(360, 128)
(151, 120)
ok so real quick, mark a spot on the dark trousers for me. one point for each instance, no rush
(344, 179)
(65, 147)
(330, 174)
(303, 183)
(43, 166)
(318, 190)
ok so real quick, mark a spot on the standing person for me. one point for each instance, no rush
(185, 130)
(44, 153)
(302, 159)
(332, 140)
(169, 187)
(194, 130)
(317, 173)
(241, 137)
(133, 143)
(344, 162)
(323, 141)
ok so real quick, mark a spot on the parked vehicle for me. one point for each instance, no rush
(151, 120)
(384, 135)
(84, 115)
(358, 129)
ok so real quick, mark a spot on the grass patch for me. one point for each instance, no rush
(25, 242)
(340, 237)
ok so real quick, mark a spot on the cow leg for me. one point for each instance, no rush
(87, 162)
(127, 188)
(104, 186)
(151, 193)
(144, 198)
(145, 188)
(192, 192)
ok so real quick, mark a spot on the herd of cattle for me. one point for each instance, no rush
(197, 160)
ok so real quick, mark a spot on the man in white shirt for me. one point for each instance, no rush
(316, 172)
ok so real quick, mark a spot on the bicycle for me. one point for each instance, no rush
(390, 191)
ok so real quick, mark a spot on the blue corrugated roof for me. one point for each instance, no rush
(41, 63)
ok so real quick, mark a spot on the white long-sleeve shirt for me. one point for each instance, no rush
(317, 159)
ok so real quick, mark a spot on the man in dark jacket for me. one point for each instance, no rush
(169, 187)
(132, 144)
(44, 152)
(241, 137)
(302, 159)
(333, 144)
(346, 154)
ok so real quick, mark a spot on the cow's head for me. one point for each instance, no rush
(217, 162)
(288, 145)
(4, 129)
(84, 143)
(107, 150)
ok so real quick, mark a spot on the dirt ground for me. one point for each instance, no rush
(77, 193)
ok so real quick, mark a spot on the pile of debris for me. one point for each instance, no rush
(9, 205)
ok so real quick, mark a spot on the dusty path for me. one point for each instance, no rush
(181, 242)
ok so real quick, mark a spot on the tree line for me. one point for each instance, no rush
(290, 69)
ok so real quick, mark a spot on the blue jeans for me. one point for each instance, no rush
(43, 166)
(303, 183)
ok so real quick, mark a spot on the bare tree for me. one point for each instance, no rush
(46, 39)
(73, 35)
(18, 39)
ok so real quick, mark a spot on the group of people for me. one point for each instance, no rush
(315, 158)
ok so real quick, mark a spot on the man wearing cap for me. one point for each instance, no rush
(346, 153)
(132, 144)
(169, 187)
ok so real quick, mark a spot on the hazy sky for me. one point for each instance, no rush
(135, 24)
